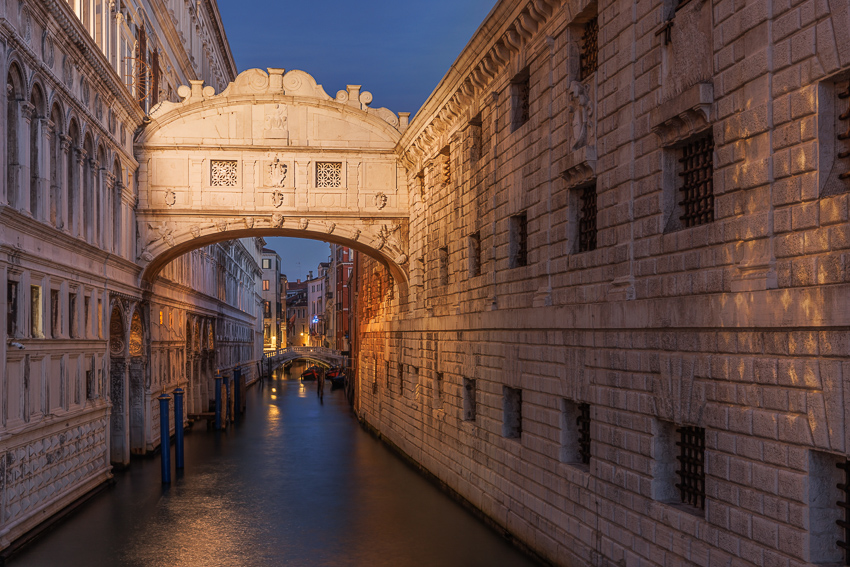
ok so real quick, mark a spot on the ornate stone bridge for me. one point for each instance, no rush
(322, 355)
(272, 155)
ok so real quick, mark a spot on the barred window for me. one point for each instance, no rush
(446, 165)
(223, 173)
(512, 412)
(691, 471)
(328, 174)
(583, 426)
(589, 56)
(520, 99)
(468, 394)
(587, 218)
(475, 254)
(844, 137)
(697, 181)
(476, 138)
(444, 265)
(519, 241)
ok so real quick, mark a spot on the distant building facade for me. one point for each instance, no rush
(272, 309)
(297, 314)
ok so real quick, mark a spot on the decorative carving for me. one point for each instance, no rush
(26, 24)
(277, 198)
(136, 335)
(195, 230)
(357, 234)
(581, 112)
(331, 227)
(401, 259)
(48, 50)
(277, 220)
(223, 173)
(380, 201)
(221, 225)
(302, 224)
(161, 232)
(67, 71)
(85, 91)
(170, 197)
(276, 123)
(328, 174)
(98, 108)
(684, 115)
(277, 173)
(249, 222)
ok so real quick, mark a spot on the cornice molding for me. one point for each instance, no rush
(504, 33)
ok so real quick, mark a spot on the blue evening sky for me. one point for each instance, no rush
(397, 50)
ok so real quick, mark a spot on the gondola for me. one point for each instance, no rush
(337, 377)
(311, 373)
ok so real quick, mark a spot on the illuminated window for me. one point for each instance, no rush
(265, 285)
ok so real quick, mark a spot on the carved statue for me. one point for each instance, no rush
(581, 112)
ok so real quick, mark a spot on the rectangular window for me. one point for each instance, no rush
(223, 173)
(589, 57)
(267, 309)
(438, 390)
(843, 115)
(512, 411)
(691, 470)
(11, 308)
(446, 166)
(400, 374)
(55, 314)
(73, 322)
(328, 174)
(520, 99)
(696, 185)
(575, 432)
(443, 255)
(36, 313)
(587, 219)
(476, 138)
(519, 241)
(87, 313)
(475, 254)
(265, 285)
(829, 514)
(267, 264)
(468, 399)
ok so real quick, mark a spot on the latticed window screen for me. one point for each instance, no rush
(589, 56)
(223, 173)
(697, 181)
(844, 153)
(691, 471)
(844, 523)
(583, 423)
(587, 219)
(328, 174)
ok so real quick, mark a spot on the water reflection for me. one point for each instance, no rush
(293, 483)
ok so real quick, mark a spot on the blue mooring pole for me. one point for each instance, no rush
(218, 401)
(165, 438)
(228, 414)
(178, 428)
(237, 390)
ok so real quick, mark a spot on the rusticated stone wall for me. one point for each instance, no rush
(736, 326)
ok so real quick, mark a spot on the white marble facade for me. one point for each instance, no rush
(87, 350)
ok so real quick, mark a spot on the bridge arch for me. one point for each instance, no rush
(272, 155)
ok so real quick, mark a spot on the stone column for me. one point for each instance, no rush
(48, 205)
(62, 181)
(24, 171)
(79, 229)
(97, 203)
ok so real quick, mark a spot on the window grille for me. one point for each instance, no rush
(476, 138)
(587, 220)
(589, 57)
(446, 166)
(524, 100)
(12, 308)
(583, 423)
(697, 182)
(844, 524)
(845, 137)
(691, 466)
(328, 174)
(223, 173)
(519, 240)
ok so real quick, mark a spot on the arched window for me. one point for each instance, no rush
(56, 168)
(72, 172)
(14, 90)
(36, 136)
(99, 198)
(87, 231)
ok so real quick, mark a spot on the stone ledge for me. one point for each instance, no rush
(683, 115)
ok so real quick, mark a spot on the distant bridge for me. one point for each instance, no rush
(322, 355)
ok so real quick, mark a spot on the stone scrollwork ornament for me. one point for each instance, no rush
(380, 200)
(277, 198)
(277, 173)
(170, 197)
(581, 113)
(402, 259)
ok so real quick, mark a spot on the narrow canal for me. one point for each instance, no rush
(296, 482)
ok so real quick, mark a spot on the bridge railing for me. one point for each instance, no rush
(302, 350)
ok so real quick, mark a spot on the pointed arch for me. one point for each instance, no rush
(56, 161)
(14, 98)
(72, 174)
(86, 187)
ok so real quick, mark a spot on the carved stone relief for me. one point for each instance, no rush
(581, 113)
(277, 173)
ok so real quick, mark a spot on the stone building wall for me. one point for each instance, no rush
(78, 365)
(736, 326)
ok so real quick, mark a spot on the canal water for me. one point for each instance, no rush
(295, 483)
